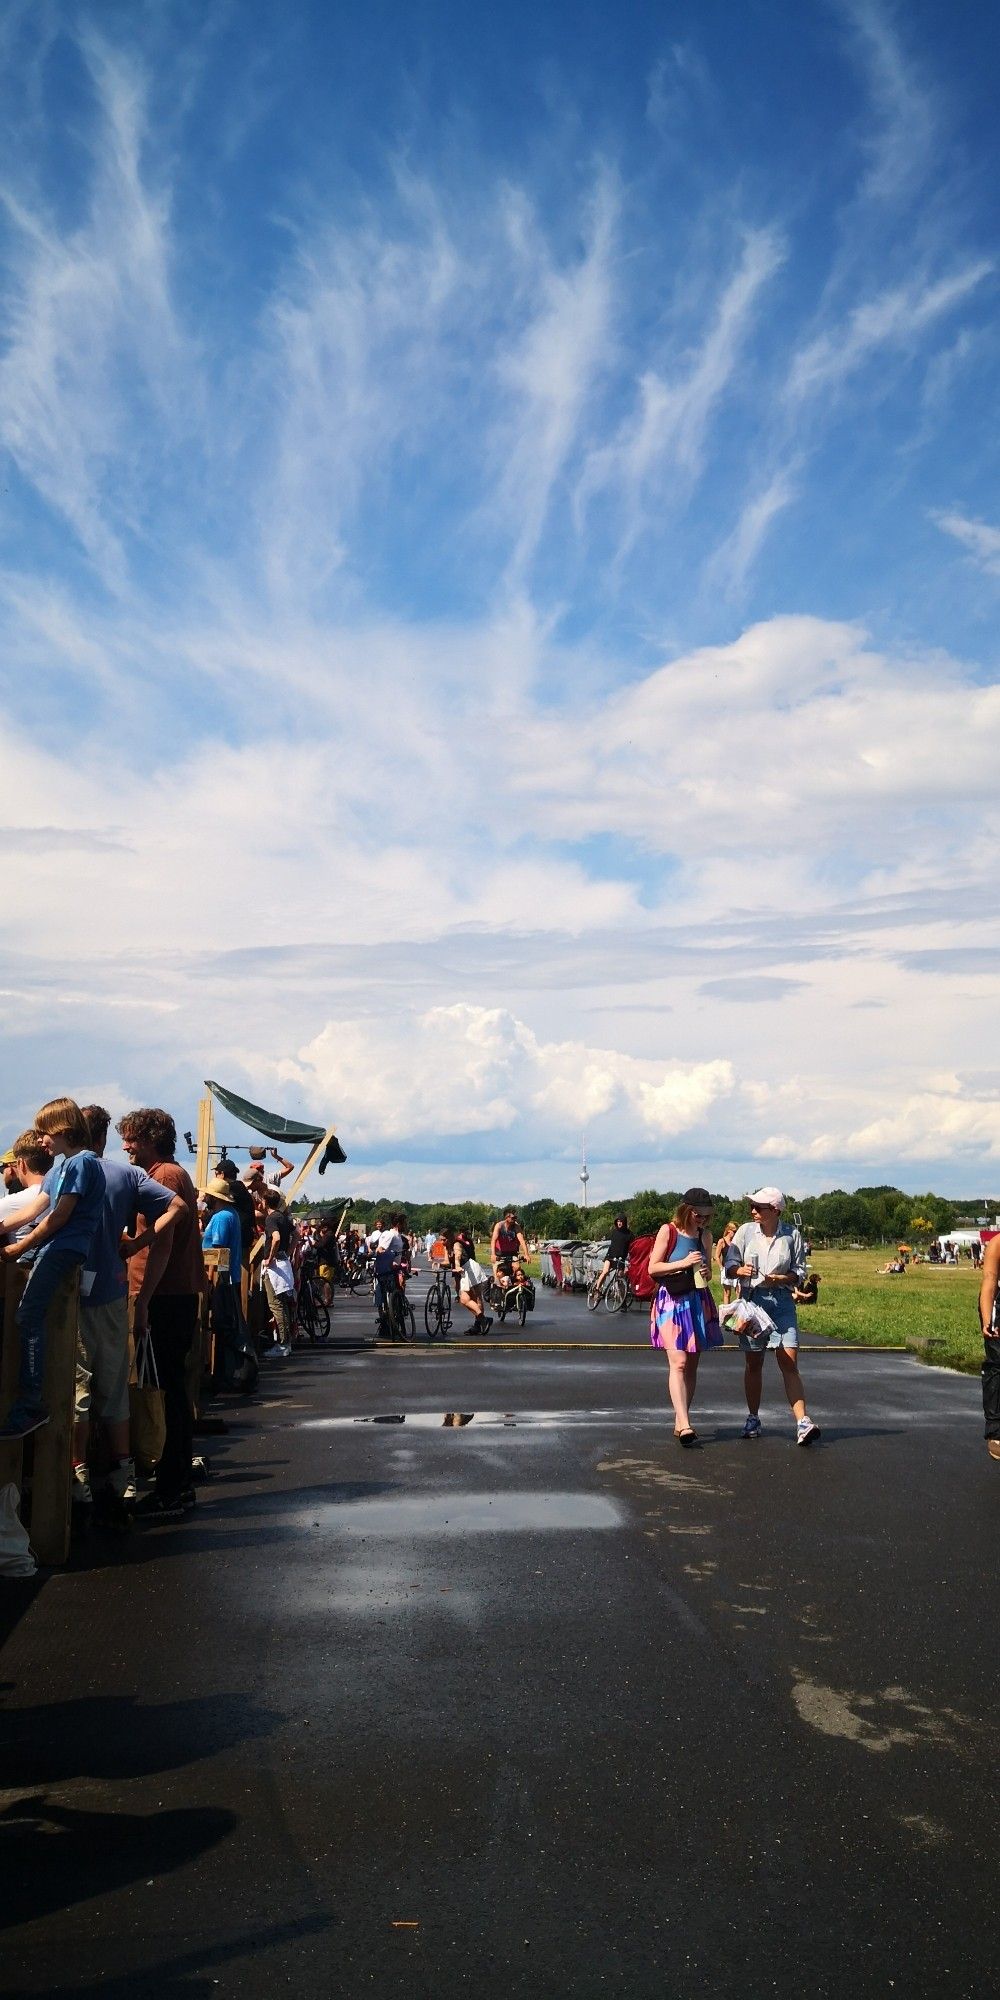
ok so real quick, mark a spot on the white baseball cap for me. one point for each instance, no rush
(768, 1198)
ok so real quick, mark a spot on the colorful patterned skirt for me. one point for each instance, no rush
(688, 1325)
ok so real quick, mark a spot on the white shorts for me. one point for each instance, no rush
(472, 1276)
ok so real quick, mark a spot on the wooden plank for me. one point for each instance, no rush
(12, 1279)
(52, 1477)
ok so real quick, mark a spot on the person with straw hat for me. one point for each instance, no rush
(222, 1232)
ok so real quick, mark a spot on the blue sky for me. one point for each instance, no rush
(501, 548)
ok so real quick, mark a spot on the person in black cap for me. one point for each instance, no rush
(683, 1317)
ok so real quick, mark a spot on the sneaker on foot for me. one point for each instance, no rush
(806, 1432)
(155, 1507)
(81, 1494)
(110, 1509)
(753, 1428)
(121, 1479)
(20, 1421)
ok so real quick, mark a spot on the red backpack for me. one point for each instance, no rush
(638, 1263)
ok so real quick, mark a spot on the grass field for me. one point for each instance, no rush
(930, 1310)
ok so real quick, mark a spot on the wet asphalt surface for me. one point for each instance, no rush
(536, 1705)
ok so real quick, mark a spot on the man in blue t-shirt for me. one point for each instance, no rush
(236, 1361)
(62, 1237)
(103, 1363)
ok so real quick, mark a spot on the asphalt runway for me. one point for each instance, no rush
(532, 1704)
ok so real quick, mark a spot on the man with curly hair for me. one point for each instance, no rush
(149, 1137)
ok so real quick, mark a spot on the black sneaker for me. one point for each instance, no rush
(21, 1421)
(111, 1511)
(154, 1507)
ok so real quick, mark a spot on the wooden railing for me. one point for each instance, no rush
(48, 1452)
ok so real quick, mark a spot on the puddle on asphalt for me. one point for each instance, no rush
(430, 1420)
(464, 1514)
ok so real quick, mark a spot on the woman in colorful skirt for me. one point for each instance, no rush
(683, 1317)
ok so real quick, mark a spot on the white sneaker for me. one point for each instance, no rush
(806, 1432)
(122, 1479)
(82, 1495)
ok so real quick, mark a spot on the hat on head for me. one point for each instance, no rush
(768, 1198)
(250, 1173)
(219, 1190)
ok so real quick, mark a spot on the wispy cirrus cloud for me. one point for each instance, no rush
(552, 363)
(89, 326)
(729, 566)
(666, 432)
(901, 147)
(981, 540)
(892, 319)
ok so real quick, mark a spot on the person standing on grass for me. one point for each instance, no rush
(772, 1265)
(62, 1237)
(683, 1316)
(989, 1321)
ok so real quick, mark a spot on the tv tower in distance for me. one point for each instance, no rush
(584, 1174)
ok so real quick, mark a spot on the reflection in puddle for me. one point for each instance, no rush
(435, 1420)
(464, 1514)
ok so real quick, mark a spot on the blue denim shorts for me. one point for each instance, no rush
(779, 1306)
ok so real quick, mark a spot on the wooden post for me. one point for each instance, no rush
(307, 1166)
(206, 1141)
(52, 1482)
(52, 1474)
(12, 1279)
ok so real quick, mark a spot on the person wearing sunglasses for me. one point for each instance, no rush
(683, 1316)
(772, 1266)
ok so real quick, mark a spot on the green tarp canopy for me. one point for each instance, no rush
(269, 1124)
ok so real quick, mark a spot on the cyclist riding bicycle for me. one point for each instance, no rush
(388, 1252)
(618, 1249)
(508, 1250)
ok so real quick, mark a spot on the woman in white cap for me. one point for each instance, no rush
(772, 1264)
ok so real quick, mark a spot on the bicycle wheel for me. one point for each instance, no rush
(614, 1297)
(433, 1316)
(323, 1291)
(320, 1329)
(593, 1297)
(409, 1324)
(306, 1311)
(521, 1306)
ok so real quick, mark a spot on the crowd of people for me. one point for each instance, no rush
(132, 1239)
(149, 1257)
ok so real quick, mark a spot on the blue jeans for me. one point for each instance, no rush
(50, 1269)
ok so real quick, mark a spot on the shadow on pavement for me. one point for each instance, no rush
(189, 1976)
(52, 1856)
(112, 1737)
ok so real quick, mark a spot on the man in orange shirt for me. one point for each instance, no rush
(149, 1137)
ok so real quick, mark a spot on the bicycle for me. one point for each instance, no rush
(437, 1307)
(518, 1295)
(618, 1293)
(394, 1312)
(313, 1313)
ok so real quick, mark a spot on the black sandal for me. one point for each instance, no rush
(689, 1440)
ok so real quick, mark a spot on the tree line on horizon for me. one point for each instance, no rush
(868, 1215)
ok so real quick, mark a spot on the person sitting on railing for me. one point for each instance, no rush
(62, 1235)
